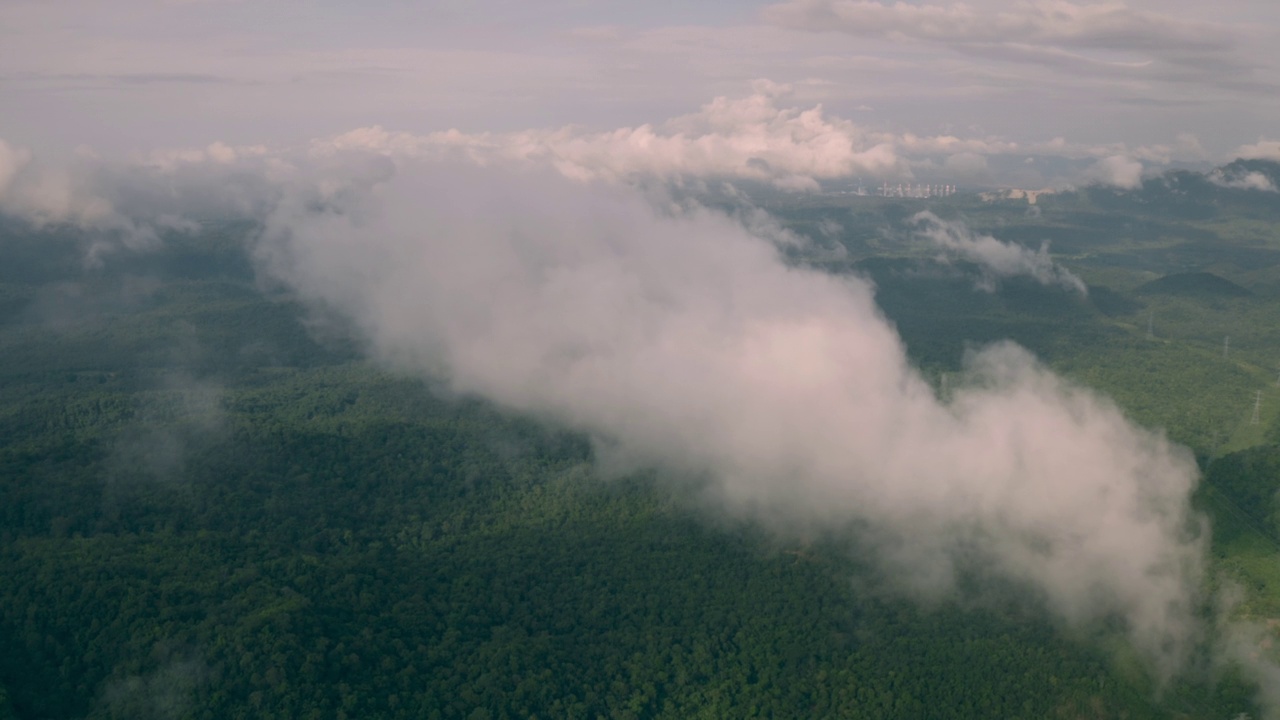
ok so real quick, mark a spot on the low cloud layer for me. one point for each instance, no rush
(749, 138)
(1261, 150)
(132, 204)
(681, 341)
(758, 137)
(998, 259)
(1118, 171)
(43, 195)
(1247, 180)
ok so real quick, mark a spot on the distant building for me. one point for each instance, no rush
(1015, 194)
(919, 190)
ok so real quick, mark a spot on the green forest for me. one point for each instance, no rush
(212, 506)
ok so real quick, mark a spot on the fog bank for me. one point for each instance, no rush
(681, 341)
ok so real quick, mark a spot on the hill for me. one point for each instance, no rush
(1193, 284)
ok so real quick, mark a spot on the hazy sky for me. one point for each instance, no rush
(141, 74)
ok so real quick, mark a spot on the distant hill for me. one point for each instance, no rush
(1247, 188)
(1112, 303)
(1241, 168)
(1194, 284)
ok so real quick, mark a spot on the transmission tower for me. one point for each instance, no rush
(1257, 405)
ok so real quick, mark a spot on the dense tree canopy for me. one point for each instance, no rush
(209, 509)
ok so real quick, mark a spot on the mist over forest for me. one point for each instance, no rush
(246, 437)
(807, 358)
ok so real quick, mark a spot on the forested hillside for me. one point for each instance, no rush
(211, 507)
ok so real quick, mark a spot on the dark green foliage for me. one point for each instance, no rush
(352, 546)
(207, 513)
(1250, 479)
(942, 310)
(1193, 284)
(1112, 303)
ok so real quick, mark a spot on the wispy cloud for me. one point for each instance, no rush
(1119, 171)
(1242, 180)
(997, 258)
(1053, 23)
(1123, 47)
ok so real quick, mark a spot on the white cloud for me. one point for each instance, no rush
(1261, 150)
(758, 137)
(999, 259)
(747, 138)
(1250, 180)
(744, 138)
(49, 195)
(131, 204)
(1118, 171)
(217, 152)
(683, 341)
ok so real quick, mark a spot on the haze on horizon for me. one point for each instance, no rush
(892, 90)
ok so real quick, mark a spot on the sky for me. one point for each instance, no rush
(931, 86)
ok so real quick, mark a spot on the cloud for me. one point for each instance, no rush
(1261, 150)
(1242, 180)
(1118, 171)
(130, 204)
(1104, 39)
(757, 137)
(12, 160)
(217, 152)
(166, 693)
(183, 412)
(680, 340)
(747, 138)
(42, 195)
(1111, 25)
(997, 258)
(1187, 145)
